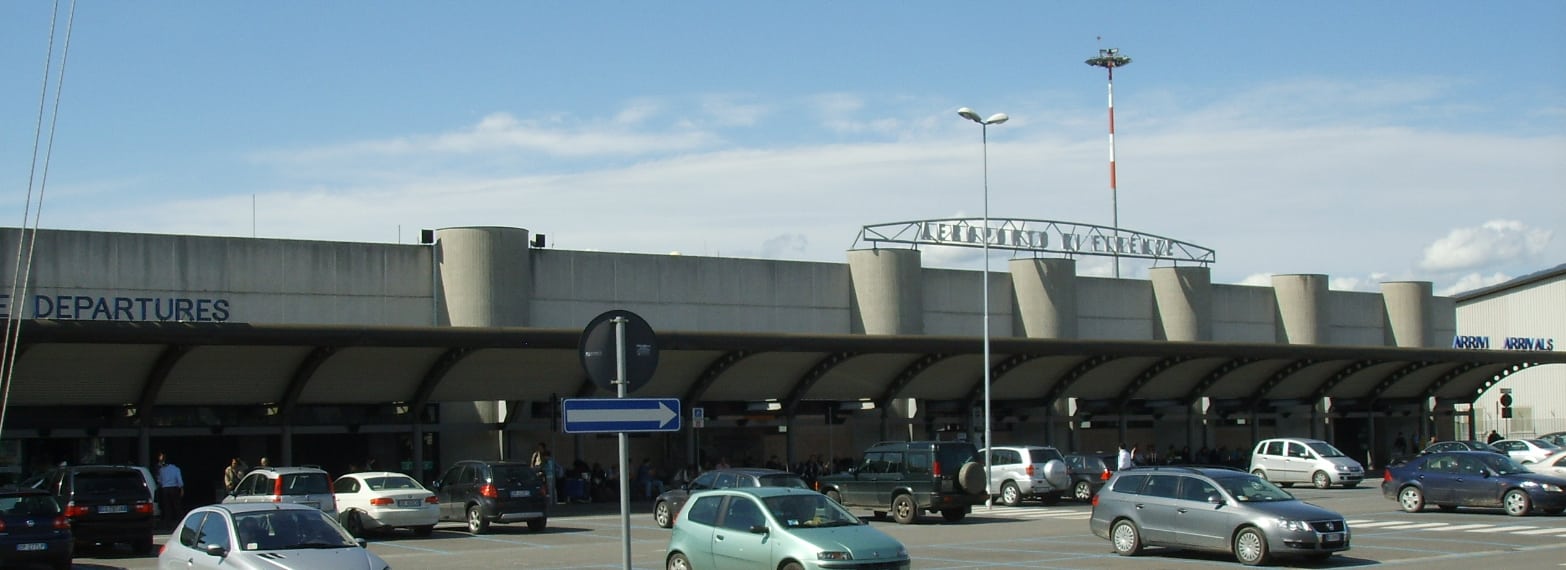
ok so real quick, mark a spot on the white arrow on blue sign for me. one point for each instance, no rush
(613, 415)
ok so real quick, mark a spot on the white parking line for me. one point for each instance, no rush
(1463, 527)
(1374, 524)
(1540, 531)
(1507, 529)
(1414, 526)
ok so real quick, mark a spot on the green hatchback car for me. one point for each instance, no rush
(777, 528)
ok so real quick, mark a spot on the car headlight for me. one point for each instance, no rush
(834, 555)
(1343, 468)
(1545, 486)
(1295, 526)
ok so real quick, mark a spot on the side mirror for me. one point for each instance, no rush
(758, 529)
(215, 550)
(1214, 500)
(361, 542)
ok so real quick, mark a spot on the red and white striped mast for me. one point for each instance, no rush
(1110, 59)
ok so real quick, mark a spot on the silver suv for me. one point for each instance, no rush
(303, 485)
(1025, 472)
(1213, 509)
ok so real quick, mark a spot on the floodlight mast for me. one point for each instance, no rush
(1109, 59)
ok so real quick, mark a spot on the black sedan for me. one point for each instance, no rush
(1461, 445)
(35, 529)
(1472, 479)
(1088, 473)
(669, 503)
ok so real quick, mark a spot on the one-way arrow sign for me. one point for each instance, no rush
(611, 415)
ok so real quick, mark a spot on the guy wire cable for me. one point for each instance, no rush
(24, 235)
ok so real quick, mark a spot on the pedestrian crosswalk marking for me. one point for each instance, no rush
(1414, 526)
(1463, 527)
(1540, 531)
(1510, 529)
(1402, 525)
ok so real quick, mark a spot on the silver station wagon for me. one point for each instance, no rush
(1213, 509)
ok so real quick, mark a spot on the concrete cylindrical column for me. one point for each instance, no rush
(484, 276)
(1409, 322)
(1302, 306)
(1184, 299)
(888, 291)
(1046, 290)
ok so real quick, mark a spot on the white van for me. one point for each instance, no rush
(1290, 460)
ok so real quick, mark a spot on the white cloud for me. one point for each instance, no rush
(1257, 279)
(1473, 281)
(1494, 242)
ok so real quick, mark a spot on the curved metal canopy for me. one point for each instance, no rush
(107, 363)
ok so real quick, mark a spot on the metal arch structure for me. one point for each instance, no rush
(906, 376)
(999, 369)
(1147, 375)
(1035, 236)
(710, 374)
(1276, 378)
(433, 376)
(1439, 382)
(1214, 376)
(302, 376)
(1338, 377)
(808, 380)
(157, 376)
(1076, 373)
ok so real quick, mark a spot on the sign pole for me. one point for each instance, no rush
(625, 451)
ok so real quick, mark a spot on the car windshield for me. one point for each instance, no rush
(289, 529)
(1502, 464)
(513, 474)
(306, 484)
(1250, 488)
(1544, 444)
(392, 483)
(1325, 449)
(809, 510)
(783, 480)
(29, 505)
(110, 483)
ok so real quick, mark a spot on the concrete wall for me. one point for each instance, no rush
(256, 280)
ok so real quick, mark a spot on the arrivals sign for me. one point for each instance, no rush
(1038, 236)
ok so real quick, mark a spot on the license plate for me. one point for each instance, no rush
(1332, 537)
(409, 502)
(32, 546)
(521, 494)
(114, 508)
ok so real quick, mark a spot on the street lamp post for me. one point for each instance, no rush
(984, 134)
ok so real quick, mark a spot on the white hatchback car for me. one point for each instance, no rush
(1527, 451)
(384, 500)
(1290, 460)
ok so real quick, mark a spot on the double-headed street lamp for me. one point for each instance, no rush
(984, 133)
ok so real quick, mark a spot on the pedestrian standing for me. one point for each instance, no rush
(1123, 460)
(171, 487)
(1493, 437)
(232, 474)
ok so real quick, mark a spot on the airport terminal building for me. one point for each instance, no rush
(464, 345)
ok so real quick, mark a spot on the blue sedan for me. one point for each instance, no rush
(1472, 479)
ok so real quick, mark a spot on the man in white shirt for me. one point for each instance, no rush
(1123, 461)
(171, 487)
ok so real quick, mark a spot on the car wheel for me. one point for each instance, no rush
(662, 516)
(1260, 473)
(1011, 496)
(678, 561)
(425, 530)
(904, 511)
(476, 522)
(1321, 480)
(1082, 491)
(1126, 538)
(793, 566)
(353, 524)
(538, 524)
(1250, 547)
(1411, 499)
(1517, 502)
(953, 515)
(835, 496)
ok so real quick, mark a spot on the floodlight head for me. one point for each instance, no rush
(997, 119)
(967, 113)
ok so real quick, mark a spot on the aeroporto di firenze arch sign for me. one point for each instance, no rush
(1040, 236)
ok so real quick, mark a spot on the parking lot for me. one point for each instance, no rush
(1029, 536)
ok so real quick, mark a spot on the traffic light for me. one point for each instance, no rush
(1506, 406)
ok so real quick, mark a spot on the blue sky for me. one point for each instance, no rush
(1370, 141)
